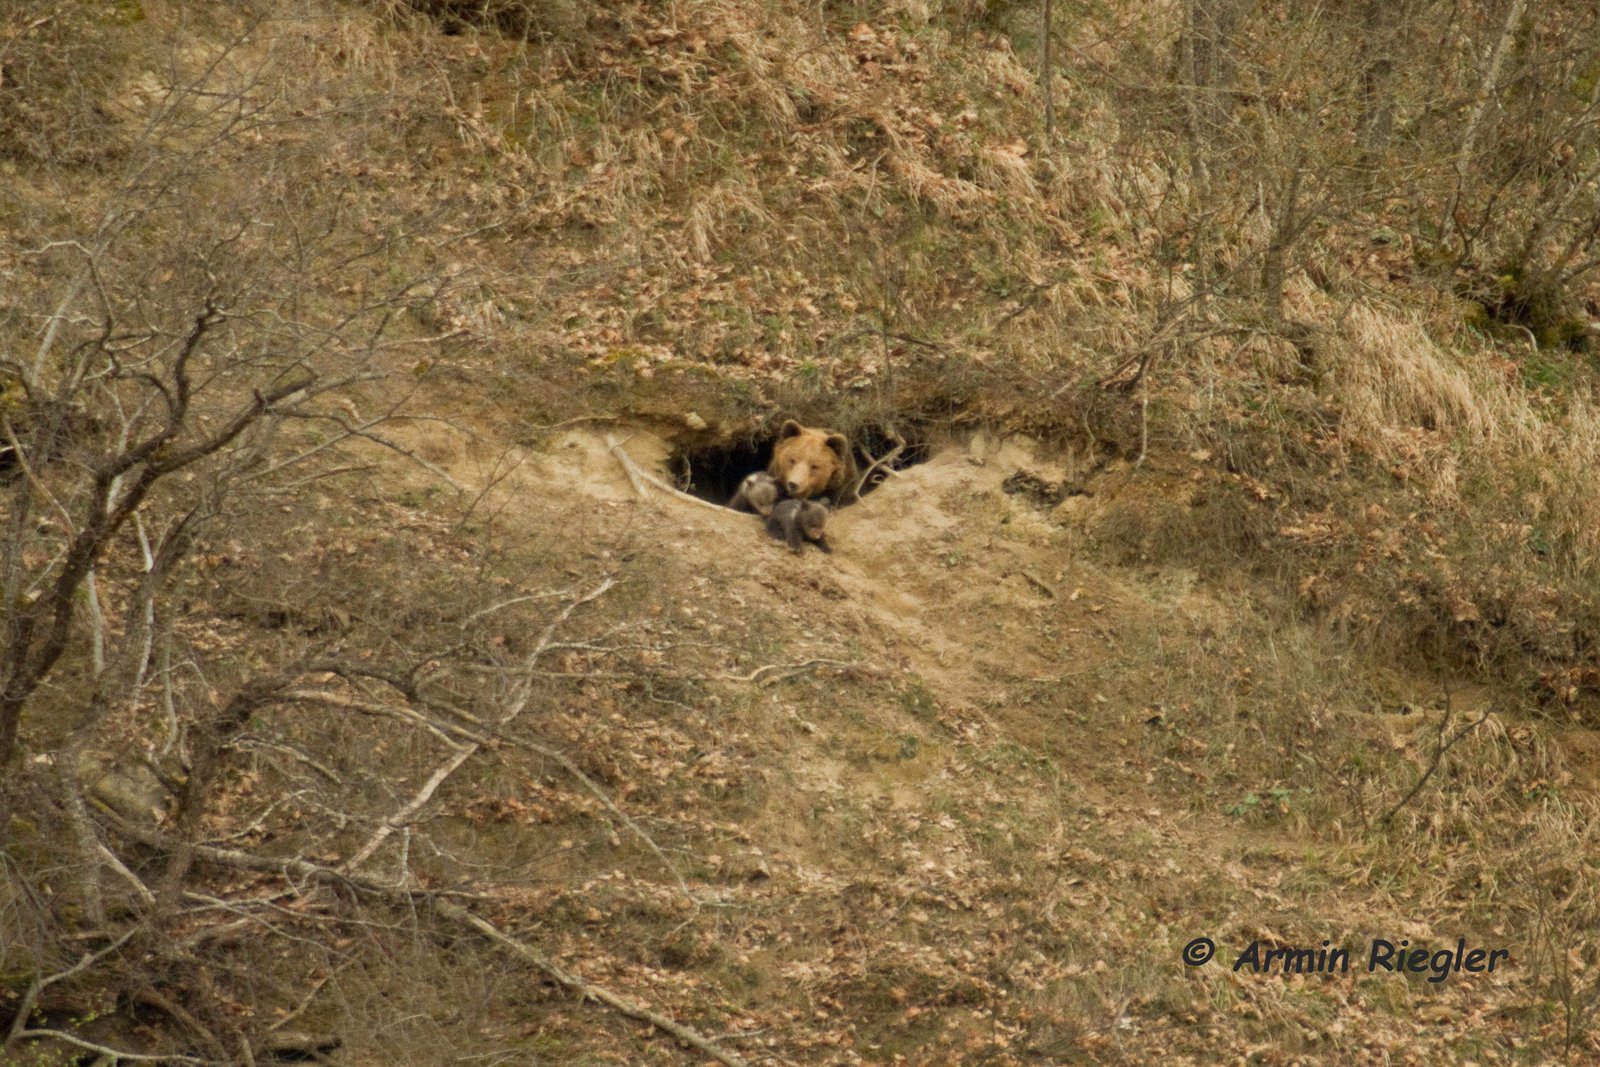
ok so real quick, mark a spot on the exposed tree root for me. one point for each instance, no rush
(638, 475)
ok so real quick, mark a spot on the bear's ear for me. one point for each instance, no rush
(841, 445)
(790, 428)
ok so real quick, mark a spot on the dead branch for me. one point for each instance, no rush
(21, 456)
(1144, 423)
(605, 798)
(364, 432)
(1480, 109)
(882, 461)
(1038, 583)
(83, 835)
(577, 421)
(111, 860)
(184, 1017)
(890, 335)
(305, 1002)
(449, 733)
(635, 475)
(116, 1055)
(408, 811)
(632, 1009)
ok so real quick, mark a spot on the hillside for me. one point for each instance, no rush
(1228, 567)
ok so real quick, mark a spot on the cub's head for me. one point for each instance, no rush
(813, 519)
(807, 461)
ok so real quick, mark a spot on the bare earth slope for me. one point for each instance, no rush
(976, 787)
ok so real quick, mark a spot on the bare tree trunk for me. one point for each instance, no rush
(1207, 61)
(1286, 227)
(1046, 77)
(1480, 111)
(1187, 63)
(1380, 23)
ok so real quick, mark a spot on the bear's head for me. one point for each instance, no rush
(808, 462)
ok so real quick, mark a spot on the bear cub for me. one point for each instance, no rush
(757, 493)
(795, 522)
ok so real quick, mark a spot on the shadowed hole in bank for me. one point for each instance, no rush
(713, 471)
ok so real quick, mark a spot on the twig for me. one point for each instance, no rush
(409, 810)
(154, 998)
(432, 468)
(1144, 425)
(1023, 304)
(1441, 746)
(492, 608)
(573, 422)
(635, 475)
(305, 1002)
(21, 456)
(1038, 583)
(121, 868)
(1046, 74)
(449, 733)
(605, 798)
(890, 335)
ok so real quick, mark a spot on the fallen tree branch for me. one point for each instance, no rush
(484, 733)
(579, 420)
(446, 732)
(627, 1007)
(890, 335)
(605, 798)
(117, 1055)
(410, 808)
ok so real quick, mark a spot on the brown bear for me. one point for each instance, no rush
(808, 462)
